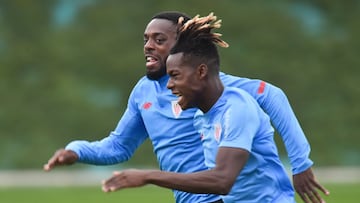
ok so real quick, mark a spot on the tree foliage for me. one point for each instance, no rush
(67, 68)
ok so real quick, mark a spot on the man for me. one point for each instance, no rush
(242, 157)
(153, 113)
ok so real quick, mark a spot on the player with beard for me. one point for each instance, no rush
(241, 156)
(152, 113)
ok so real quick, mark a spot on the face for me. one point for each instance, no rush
(159, 38)
(184, 81)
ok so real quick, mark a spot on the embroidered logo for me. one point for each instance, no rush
(147, 105)
(176, 109)
(217, 132)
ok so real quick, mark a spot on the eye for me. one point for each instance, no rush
(145, 40)
(160, 40)
(174, 76)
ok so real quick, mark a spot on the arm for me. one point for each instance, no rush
(275, 103)
(277, 106)
(219, 180)
(118, 147)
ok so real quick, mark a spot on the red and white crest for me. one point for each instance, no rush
(217, 132)
(176, 109)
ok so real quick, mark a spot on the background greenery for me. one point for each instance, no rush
(68, 66)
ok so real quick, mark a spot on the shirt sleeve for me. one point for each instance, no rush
(240, 135)
(275, 103)
(277, 106)
(120, 145)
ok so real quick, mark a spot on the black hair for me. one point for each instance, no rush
(172, 16)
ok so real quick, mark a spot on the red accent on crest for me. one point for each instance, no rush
(147, 105)
(261, 87)
(177, 109)
(217, 132)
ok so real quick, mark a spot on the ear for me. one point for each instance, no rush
(202, 71)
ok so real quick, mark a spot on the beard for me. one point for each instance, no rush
(156, 75)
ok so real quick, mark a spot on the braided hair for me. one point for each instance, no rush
(198, 43)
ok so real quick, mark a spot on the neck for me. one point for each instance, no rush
(211, 94)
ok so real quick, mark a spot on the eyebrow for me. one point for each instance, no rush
(155, 34)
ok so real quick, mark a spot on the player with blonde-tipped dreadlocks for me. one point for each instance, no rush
(200, 29)
(236, 134)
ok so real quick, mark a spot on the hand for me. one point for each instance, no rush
(306, 186)
(124, 179)
(61, 157)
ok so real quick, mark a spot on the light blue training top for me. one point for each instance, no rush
(237, 121)
(153, 113)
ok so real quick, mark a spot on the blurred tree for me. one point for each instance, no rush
(68, 66)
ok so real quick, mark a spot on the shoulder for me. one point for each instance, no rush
(231, 80)
(238, 101)
(144, 84)
(143, 81)
(140, 90)
(236, 94)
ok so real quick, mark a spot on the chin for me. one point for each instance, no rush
(185, 106)
(156, 75)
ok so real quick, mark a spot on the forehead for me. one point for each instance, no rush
(160, 26)
(174, 61)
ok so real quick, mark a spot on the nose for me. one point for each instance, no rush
(148, 45)
(170, 84)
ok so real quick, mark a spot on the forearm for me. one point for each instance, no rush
(118, 147)
(210, 182)
(97, 152)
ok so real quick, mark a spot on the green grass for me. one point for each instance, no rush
(83, 195)
(347, 193)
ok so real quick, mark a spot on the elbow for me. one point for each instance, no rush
(223, 187)
(224, 190)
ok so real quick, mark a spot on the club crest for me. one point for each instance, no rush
(176, 109)
(217, 132)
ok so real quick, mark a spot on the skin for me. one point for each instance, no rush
(196, 88)
(159, 37)
(193, 84)
(306, 186)
(219, 180)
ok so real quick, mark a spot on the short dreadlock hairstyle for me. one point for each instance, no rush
(172, 16)
(195, 39)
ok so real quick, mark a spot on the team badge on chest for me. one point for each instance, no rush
(176, 109)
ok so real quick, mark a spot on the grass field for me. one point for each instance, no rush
(342, 193)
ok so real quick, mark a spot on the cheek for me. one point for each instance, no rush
(191, 86)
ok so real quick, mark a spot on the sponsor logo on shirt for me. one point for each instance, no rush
(147, 105)
(176, 109)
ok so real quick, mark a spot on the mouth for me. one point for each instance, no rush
(180, 100)
(151, 60)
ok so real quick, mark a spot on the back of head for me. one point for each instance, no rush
(198, 43)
